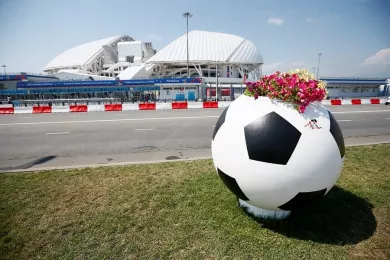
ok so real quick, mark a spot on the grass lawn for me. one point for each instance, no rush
(182, 210)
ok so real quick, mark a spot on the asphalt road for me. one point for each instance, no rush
(98, 138)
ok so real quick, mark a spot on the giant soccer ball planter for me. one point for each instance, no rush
(275, 159)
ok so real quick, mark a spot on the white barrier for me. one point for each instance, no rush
(224, 104)
(129, 107)
(95, 108)
(23, 110)
(160, 106)
(195, 105)
(60, 109)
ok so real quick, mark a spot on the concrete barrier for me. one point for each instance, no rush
(95, 108)
(113, 107)
(195, 105)
(78, 108)
(60, 109)
(41, 110)
(147, 106)
(210, 104)
(224, 104)
(6, 110)
(129, 107)
(180, 105)
(23, 110)
(163, 106)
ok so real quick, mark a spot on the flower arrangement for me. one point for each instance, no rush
(297, 86)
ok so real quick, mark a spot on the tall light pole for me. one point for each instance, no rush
(216, 87)
(5, 73)
(187, 15)
(318, 67)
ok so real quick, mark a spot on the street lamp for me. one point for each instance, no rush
(216, 87)
(187, 15)
(318, 67)
(5, 73)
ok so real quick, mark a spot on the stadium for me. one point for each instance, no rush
(123, 69)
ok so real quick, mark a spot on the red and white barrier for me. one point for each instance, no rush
(113, 107)
(130, 107)
(6, 110)
(42, 110)
(147, 106)
(78, 108)
(163, 106)
(23, 110)
(210, 104)
(195, 105)
(60, 109)
(159, 106)
(180, 105)
(95, 108)
(354, 101)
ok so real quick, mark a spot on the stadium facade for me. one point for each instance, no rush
(119, 66)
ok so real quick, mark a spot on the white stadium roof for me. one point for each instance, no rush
(209, 47)
(80, 55)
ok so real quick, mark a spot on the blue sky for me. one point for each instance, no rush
(352, 35)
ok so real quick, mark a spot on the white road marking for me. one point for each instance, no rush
(143, 129)
(111, 120)
(368, 111)
(344, 120)
(213, 126)
(59, 133)
(387, 118)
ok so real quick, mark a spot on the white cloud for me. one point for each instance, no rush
(154, 36)
(276, 21)
(310, 20)
(283, 66)
(382, 57)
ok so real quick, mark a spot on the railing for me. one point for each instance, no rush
(96, 101)
(27, 73)
(355, 78)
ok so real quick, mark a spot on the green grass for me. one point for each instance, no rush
(182, 210)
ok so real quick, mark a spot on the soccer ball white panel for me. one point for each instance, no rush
(315, 114)
(315, 163)
(242, 112)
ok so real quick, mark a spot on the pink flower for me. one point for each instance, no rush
(288, 87)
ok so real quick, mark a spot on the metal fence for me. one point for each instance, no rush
(93, 101)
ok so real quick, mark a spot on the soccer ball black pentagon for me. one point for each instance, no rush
(273, 157)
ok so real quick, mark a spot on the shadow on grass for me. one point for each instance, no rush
(30, 164)
(340, 218)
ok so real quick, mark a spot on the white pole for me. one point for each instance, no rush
(318, 67)
(216, 87)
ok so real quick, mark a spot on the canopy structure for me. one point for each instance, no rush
(105, 58)
(235, 56)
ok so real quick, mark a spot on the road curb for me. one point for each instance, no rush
(72, 167)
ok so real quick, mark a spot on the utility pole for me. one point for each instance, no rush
(318, 67)
(216, 87)
(4, 66)
(187, 15)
